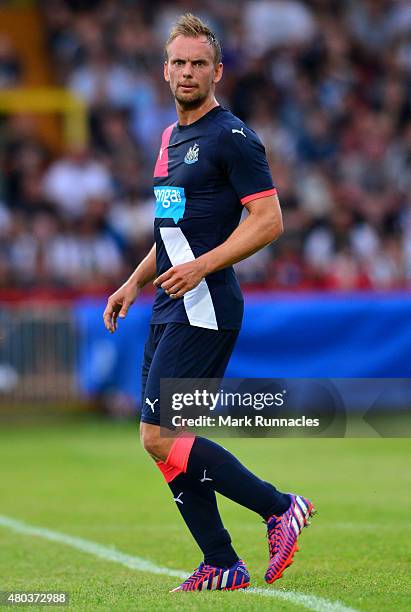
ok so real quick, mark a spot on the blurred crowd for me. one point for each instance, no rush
(325, 83)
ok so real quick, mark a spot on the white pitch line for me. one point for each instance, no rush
(310, 602)
(98, 550)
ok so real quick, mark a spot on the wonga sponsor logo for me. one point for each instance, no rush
(170, 203)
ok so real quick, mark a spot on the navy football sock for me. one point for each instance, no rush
(197, 504)
(210, 462)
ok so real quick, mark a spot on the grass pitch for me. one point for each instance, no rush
(92, 480)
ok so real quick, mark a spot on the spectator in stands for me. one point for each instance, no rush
(71, 180)
(326, 85)
(10, 65)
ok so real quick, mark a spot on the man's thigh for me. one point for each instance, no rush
(184, 351)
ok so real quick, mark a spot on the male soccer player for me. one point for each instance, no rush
(209, 166)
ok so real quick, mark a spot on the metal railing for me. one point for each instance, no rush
(37, 353)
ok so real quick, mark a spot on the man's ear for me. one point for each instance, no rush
(166, 75)
(218, 73)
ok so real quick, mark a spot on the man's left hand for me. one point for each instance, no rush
(180, 279)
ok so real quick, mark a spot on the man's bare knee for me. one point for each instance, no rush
(148, 437)
(153, 443)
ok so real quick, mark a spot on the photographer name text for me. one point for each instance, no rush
(257, 420)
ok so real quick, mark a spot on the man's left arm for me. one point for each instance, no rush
(262, 226)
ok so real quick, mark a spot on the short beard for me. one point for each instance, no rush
(190, 104)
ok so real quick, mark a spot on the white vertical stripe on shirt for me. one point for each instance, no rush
(197, 302)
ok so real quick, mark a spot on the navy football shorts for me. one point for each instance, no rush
(178, 350)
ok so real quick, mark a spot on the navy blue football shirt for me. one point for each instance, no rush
(204, 173)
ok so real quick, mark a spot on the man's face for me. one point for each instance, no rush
(191, 71)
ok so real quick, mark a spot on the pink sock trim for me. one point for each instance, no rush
(169, 472)
(177, 460)
(180, 451)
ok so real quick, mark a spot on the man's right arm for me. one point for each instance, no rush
(119, 302)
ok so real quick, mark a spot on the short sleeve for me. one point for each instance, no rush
(242, 156)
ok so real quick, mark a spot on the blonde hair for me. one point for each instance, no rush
(191, 26)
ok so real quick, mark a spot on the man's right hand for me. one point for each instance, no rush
(118, 304)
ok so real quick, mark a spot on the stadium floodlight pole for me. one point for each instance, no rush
(209, 167)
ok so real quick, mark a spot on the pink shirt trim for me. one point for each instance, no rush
(258, 195)
(161, 168)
